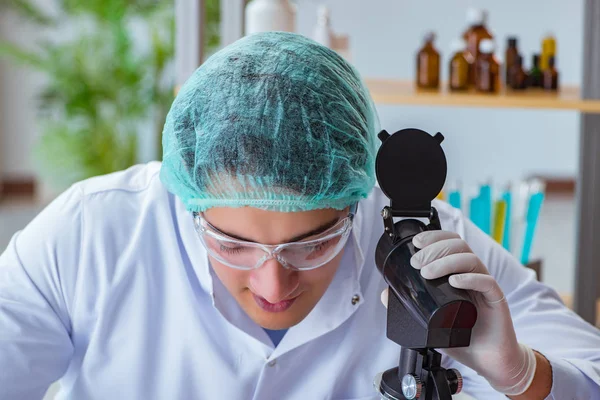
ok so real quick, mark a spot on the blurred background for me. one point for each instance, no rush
(85, 86)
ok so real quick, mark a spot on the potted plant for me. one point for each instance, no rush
(105, 80)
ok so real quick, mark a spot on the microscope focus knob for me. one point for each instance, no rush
(455, 380)
(411, 386)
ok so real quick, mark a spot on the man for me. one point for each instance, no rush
(243, 265)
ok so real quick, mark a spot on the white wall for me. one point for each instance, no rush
(480, 143)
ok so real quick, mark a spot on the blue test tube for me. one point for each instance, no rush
(507, 197)
(533, 214)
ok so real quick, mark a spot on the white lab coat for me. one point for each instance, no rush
(110, 291)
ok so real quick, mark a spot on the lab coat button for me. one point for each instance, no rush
(355, 299)
(272, 363)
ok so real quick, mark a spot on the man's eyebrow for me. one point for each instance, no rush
(320, 229)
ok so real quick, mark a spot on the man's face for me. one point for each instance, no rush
(274, 297)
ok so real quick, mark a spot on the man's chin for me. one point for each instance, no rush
(276, 321)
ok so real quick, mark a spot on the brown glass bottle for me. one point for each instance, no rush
(476, 32)
(428, 65)
(487, 69)
(517, 75)
(550, 75)
(459, 68)
(510, 58)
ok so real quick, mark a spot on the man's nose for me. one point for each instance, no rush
(273, 282)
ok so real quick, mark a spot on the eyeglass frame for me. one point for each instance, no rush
(274, 249)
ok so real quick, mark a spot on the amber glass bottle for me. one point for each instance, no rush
(550, 75)
(459, 67)
(510, 58)
(518, 76)
(428, 64)
(476, 32)
(487, 69)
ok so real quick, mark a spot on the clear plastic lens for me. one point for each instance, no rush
(303, 255)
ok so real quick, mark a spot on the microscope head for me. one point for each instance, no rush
(411, 171)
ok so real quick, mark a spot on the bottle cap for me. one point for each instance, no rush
(486, 14)
(512, 41)
(457, 45)
(475, 16)
(323, 13)
(536, 60)
(487, 46)
(429, 37)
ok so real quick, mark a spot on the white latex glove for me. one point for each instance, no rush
(494, 352)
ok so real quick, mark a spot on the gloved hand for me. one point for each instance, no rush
(494, 352)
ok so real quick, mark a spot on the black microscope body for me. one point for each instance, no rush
(422, 314)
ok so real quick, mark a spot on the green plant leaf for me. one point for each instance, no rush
(27, 10)
(102, 86)
(22, 57)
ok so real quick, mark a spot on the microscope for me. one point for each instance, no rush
(422, 314)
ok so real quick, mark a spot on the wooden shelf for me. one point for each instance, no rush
(404, 92)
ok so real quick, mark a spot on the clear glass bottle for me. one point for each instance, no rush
(322, 32)
(270, 15)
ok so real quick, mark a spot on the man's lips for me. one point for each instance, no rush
(273, 307)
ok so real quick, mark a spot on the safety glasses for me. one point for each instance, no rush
(302, 255)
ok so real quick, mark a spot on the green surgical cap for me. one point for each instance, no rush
(273, 121)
